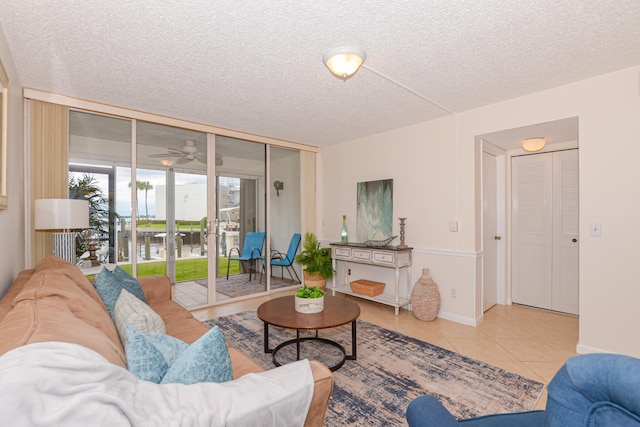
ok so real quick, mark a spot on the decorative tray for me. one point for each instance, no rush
(378, 243)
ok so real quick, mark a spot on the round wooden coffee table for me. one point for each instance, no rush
(281, 312)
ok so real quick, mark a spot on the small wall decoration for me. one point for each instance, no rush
(374, 220)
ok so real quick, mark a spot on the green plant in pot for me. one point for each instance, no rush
(313, 292)
(317, 263)
(309, 300)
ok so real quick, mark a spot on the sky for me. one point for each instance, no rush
(154, 177)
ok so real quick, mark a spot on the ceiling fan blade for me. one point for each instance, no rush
(183, 160)
(164, 155)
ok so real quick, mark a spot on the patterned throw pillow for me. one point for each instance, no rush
(165, 359)
(109, 286)
(130, 311)
(150, 355)
(130, 283)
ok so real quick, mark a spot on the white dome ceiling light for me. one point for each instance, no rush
(534, 144)
(343, 62)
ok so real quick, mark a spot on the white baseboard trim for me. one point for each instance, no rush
(459, 319)
(587, 349)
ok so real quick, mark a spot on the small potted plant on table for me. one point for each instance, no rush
(309, 300)
(317, 262)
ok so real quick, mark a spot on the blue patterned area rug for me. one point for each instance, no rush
(391, 370)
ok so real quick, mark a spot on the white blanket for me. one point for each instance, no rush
(64, 384)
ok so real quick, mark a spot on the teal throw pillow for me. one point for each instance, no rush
(130, 311)
(150, 355)
(206, 360)
(165, 359)
(131, 284)
(109, 286)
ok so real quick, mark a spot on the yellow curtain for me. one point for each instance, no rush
(308, 190)
(49, 146)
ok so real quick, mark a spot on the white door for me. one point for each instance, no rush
(490, 237)
(545, 230)
(565, 237)
(531, 230)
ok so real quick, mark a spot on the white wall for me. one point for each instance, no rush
(435, 167)
(12, 258)
(285, 218)
(422, 161)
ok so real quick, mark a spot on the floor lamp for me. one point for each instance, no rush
(62, 216)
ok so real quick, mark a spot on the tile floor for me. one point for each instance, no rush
(531, 342)
(190, 294)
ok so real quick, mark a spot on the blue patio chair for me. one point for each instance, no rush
(283, 261)
(251, 251)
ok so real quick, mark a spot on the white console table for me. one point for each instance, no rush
(386, 257)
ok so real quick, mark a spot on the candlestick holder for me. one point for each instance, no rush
(402, 224)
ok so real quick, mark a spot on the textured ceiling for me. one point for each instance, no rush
(257, 66)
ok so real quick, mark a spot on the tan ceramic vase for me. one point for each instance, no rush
(425, 297)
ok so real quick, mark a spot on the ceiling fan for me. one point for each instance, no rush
(187, 153)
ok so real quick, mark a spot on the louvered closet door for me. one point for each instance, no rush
(532, 256)
(545, 230)
(565, 237)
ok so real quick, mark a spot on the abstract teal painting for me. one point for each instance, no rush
(374, 220)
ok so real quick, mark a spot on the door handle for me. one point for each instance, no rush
(497, 237)
(574, 240)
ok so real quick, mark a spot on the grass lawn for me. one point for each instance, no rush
(186, 269)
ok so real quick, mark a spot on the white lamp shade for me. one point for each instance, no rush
(344, 61)
(61, 214)
(534, 144)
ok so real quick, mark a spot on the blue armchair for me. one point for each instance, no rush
(251, 251)
(589, 390)
(282, 260)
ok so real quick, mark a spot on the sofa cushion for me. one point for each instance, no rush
(51, 307)
(130, 311)
(58, 265)
(109, 286)
(179, 322)
(152, 357)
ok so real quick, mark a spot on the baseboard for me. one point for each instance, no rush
(586, 349)
(459, 319)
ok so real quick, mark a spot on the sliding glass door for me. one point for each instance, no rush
(285, 220)
(189, 205)
(240, 227)
(172, 205)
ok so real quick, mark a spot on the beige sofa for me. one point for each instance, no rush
(55, 302)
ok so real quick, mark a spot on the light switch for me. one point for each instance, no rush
(595, 229)
(453, 225)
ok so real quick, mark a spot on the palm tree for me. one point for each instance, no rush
(86, 188)
(145, 186)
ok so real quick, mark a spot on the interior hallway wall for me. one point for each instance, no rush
(435, 168)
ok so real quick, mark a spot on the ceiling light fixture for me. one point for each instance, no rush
(534, 144)
(343, 62)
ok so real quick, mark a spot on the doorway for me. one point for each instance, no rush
(560, 135)
(239, 229)
(492, 226)
(545, 230)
